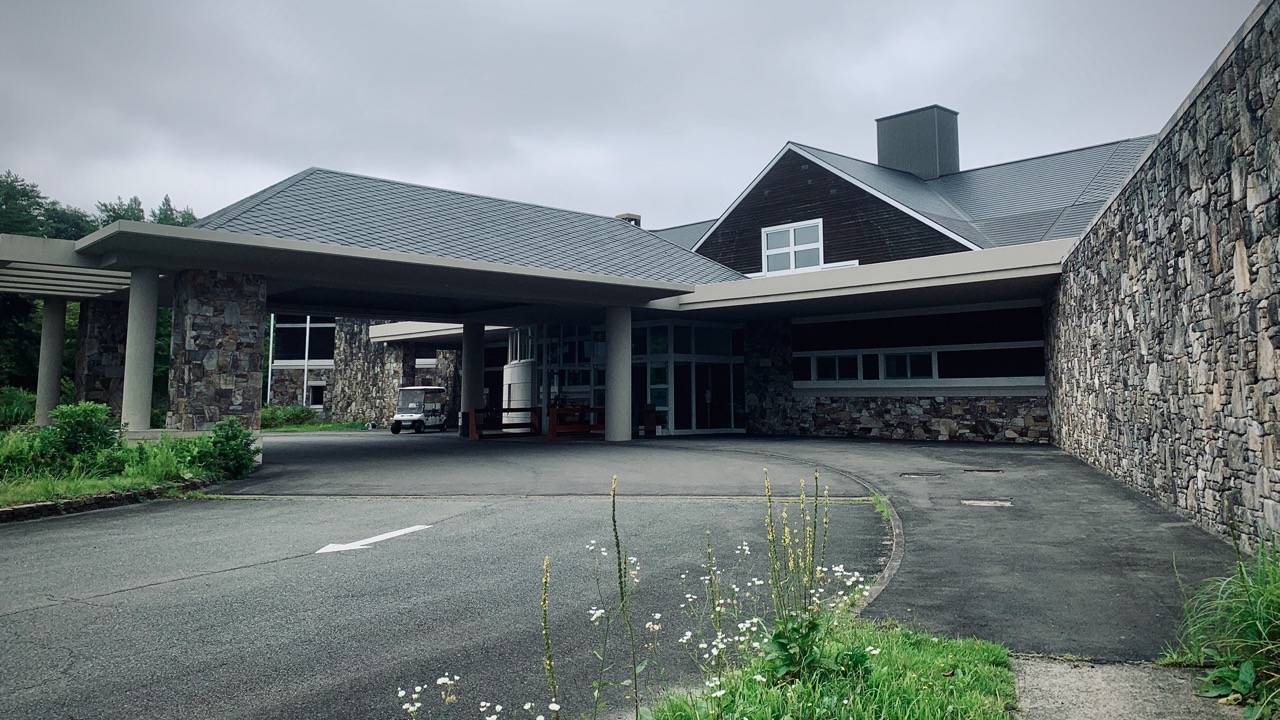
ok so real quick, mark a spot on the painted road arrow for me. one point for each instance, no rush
(364, 544)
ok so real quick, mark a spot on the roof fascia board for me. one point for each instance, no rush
(1221, 60)
(1018, 261)
(741, 196)
(42, 251)
(903, 208)
(99, 243)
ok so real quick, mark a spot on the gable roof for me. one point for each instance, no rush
(335, 208)
(1043, 198)
(686, 236)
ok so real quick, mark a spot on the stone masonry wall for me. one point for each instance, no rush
(286, 384)
(218, 327)
(366, 374)
(774, 408)
(1164, 328)
(99, 374)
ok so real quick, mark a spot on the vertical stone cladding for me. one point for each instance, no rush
(286, 384)
(100, 352)
(1163, 330)
(449, 376)
(773, 406)
(219, 321)
(366, 374)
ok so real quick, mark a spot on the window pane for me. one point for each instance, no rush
(807, 258)
(777, 239)
(895, 366)
(658, 340)
(780, 261)
(802, 368)
(826, 368)
(290, 319)
(683, 339)
(658, 397)
(315, 395)
(637, 341)
(322, 319)
(290, 343)
(922, 365)
(321, 343)
(806, 235)
(658, 374)
(713, 341)
(1011, 362)
(870, 367)
(848, 367)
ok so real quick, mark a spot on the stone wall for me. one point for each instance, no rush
(448, 375)
(366, 374)
(774, 407)
(1164, 328)
(216, 372)
(286, 384)
(99, 374)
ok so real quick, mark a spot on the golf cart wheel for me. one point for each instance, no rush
(419, 427)
(441, 428)
(395, 428)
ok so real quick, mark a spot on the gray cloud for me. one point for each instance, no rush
(663, 108)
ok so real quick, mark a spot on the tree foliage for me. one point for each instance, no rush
(121, 209)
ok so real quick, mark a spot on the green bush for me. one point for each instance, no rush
(17, 407)
(85, 429)
(228, 453)
(274, 416)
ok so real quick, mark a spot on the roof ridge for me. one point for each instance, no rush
(240, 207)
(468, 194)
(1117, 143)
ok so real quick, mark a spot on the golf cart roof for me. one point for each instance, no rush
(422, 387)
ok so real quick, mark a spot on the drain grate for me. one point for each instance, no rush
(987, 503)
(985, 471)
(920, 474)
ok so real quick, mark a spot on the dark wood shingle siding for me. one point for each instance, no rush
(856, 225)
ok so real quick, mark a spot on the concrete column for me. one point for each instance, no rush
(140, 349)
(617, 373)
(49, 374)
(472, 366)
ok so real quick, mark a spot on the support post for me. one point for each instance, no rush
(140, 348)
(49, 373)
(617, 374)
(472, 367)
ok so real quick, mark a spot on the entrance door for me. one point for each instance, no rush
(713, 396)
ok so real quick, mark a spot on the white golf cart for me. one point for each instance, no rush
(419, 407)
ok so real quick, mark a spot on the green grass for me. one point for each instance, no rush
(49, 487)
(315, 426)
(1232, 625)
(913, 676)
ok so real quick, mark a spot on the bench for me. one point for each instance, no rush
(489, 423)
(574, 422)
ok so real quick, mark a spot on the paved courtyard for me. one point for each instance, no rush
(225, 606)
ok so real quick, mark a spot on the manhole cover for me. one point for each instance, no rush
(987, 503)
(921, 474)
(983, 471)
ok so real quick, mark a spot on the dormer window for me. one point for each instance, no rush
(788, 248)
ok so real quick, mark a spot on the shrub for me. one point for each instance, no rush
(17, 407)
(228, 453)
(84, 429)
(274, 416)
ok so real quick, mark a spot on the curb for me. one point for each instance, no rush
(36, 511)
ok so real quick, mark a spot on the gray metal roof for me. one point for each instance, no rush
(335, 208)
(1042, 198)
(686, 236)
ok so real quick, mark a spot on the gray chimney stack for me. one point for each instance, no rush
(632, 218)
(923, 142)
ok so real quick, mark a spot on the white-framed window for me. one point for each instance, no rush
(791, 248)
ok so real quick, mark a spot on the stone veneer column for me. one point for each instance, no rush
(219, 320)
(100, 343)
(366, 374)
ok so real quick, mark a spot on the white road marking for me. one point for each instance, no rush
(364, 544)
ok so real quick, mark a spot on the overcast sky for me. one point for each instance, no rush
(667, 109)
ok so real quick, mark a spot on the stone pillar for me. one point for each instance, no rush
(448, 377)
(100, 345)
(366, 374)
(617, 374)
(49, 373)
(472, 366)
(219, 319)
(140, 349)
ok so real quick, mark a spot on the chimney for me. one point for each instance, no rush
(632, 218)
(923, 142)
